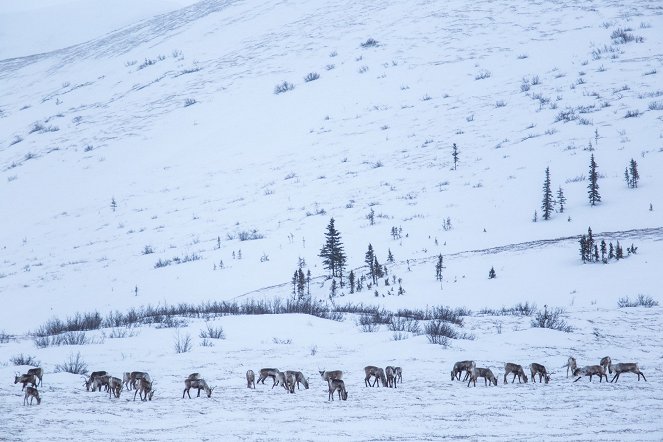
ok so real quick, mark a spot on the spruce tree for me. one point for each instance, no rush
(611, 251)
(593, 192)
(604, 252)
(438, 267)
(547, 203)
(583, 248)
(301, 284)
(390, 256)
(561, 199)
(590, 244)
(369, 259)
(351, 280)
(454, 155)
(491, 273)
(332, 253)
(635, 176)
(308, 283)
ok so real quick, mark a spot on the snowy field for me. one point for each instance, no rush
(146, 161)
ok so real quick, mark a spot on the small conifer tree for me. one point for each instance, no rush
(547, 203)
(593, 186)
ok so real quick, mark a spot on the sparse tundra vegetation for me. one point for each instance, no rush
(204, 187)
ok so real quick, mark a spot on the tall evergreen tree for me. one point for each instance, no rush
(301, 284)
(590, 244)
(561, 199)
(351, 280)
(332, 253)
(455, 155)
(593, 192)
(369, 259)
(583, 248)
(604, 252)
(390, 256)
(635, 176)
(547, 203)
(438, 267)
(308, 283)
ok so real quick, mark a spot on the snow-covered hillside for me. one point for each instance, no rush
(146, 159)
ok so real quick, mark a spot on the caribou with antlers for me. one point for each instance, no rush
(95, 374)
(328, 376)
(25, 379)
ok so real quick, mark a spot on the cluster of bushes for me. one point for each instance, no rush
(640, 301)
(72, 330)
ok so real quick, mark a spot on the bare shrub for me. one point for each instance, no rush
(283, 87)
(249, 235)
(438, 332)
(4, 337)
(74, 365)
(212, 333)
(370, 43)
(311, 76)
(24, 360)
(551, 319)
(640, 301)
(182, 343)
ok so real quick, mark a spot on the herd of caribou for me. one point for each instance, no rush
(472, 372)
(389, 377)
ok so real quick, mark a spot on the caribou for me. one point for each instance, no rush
(298, 377)
(328, 376)
(31, 393)
(135, 376)
(93, 376)
(198, 383)
(378, 373)
(289, 381)
(101, 381)
(25, 379)
(38, 372)
(391, 376)
(145, 389)
(115, 387)
(539, 369)
(126, 380)
(516, 369)
(250, 379)
(398, 371)
(590, 370)
(571, 365)
(268, 373)
(485, 373)
(626, 367)
(606, 363)
(462, 366)
(337, 385)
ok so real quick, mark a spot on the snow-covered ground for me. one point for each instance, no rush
(135, 134)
